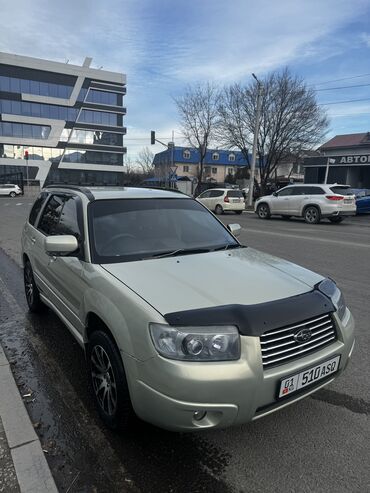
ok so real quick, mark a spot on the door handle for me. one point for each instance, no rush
(33, 240)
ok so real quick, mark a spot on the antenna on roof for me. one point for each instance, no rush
(67, 61)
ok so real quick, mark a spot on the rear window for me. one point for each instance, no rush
(341, 190)
(235, 193)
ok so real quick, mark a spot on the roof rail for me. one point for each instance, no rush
(167, 189)
(77, 188)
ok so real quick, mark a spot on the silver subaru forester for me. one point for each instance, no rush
(181, 324)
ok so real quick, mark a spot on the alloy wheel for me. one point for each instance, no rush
(263, 211)
(28, 284)
(311, 215)
(103, 380)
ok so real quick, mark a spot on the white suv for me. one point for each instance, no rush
(10, 190)
(310, 201)
(223, 199)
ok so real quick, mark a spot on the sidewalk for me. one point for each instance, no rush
(23, 467)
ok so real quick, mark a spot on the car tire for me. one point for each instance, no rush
(238, 212)
(32, 292)
(336, 219)
(12, 194)
(108, 382)
(312, 214)
(219, 210)
(263, 211)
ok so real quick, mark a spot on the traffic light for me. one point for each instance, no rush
(26, 154)
(152, 137)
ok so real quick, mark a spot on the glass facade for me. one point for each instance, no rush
(14, 84)
(103, 97)
(24, 130)
(75, 146)
(98, 117)
(92, 157)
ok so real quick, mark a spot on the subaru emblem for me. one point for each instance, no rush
(303, 335)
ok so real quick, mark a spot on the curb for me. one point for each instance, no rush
(32, 470)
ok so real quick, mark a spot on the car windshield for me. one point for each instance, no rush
(342, 190)
(124, 230)
(235, 193)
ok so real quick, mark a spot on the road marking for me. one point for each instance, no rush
(322, 240)
(19, 203)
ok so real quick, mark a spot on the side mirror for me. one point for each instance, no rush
(235, 229)
(274, 194)
(60, 244)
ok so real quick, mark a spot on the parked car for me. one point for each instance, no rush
(310, 201)
(362, 200)
(10, 190)
(220, 200)
(179, 322)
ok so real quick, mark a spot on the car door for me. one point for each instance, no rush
(298, 195)
(278, 202)
(215, 198)
(60, 277)
(204, 198)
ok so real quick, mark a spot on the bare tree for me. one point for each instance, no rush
(290, 118)
(198, 114)
(145, 161)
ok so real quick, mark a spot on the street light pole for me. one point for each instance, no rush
(255, 140)
(328, 163)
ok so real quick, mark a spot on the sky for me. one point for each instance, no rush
(163, 46)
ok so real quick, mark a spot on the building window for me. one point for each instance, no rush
(13, 84)
(92, 157)
(214, 171)
(185, 169)
(207, 169)
(215, 156)
(231, 157)
(102, 97)
(186, 154)
(92, 137)
(24, 130)
(38, 110)
(98, 117)
(230, 171)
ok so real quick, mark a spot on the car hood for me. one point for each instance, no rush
(241, 276)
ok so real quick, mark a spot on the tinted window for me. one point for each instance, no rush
(285, 192)
(235, 193)
(37, 207)
(50, 217)
(216, 193)
(135, 229)
(341, 190)
(316, 191)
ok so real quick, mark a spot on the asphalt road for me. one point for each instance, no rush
(319, 444)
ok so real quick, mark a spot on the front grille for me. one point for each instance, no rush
(279, 346)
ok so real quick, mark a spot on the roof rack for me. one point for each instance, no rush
(77, 188)
(167, 189)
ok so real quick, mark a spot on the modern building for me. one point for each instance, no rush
(351, 166)
(184, 162)
(61, 123)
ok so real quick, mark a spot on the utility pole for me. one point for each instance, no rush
(255, 140)
(328, 162)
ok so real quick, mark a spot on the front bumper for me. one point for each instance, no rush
(167, 392)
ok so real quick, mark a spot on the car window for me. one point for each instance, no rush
(69, 223)
(216, 193)
(37, 207)
(285, 191)
(50, 216)
(341, 190)
(316, 191)
(204, 195)
(135, 229)
(235, 193)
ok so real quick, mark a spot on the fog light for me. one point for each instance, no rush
(199, 415)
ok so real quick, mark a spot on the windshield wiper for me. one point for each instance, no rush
(179, 251)
(229, 246)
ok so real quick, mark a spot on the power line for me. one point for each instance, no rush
(342, 87)
(347, 101)
(338, 80)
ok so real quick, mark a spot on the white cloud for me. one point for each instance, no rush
(365, 38)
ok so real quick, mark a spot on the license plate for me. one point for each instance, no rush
(348, 201)
(307, 377)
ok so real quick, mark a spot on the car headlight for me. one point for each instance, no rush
(196, 343)
(331, 290)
